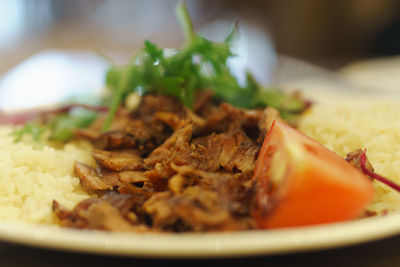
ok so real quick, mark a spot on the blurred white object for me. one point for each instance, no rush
(50, 77)
(380, 74)
(327, 87)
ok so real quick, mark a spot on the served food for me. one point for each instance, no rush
(182, 146)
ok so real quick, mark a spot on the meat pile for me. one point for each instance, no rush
(164, 167)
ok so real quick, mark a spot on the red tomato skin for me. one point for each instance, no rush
(318, 186)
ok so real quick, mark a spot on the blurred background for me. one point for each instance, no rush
(327, 33)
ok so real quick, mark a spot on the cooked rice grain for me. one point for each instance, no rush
(32, 176)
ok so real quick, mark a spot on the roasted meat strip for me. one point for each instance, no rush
(174, 169)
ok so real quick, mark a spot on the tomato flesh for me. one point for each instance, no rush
(300, 182)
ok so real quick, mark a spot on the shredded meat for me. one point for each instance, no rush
(118, 161)
(103, 179)
(164, 167)
(90, 177)
(230, 150)
(112, 212)
(194, 209)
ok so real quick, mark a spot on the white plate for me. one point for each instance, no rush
(187, 245)
(261, 242)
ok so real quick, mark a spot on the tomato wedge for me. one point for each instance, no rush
(299, 182)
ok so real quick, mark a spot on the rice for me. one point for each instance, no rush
(32, 175)
(372, 124)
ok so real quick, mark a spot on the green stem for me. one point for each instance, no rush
(185, 21)
(117, 98)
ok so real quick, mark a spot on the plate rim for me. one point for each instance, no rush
(203, 245)
(208, 245)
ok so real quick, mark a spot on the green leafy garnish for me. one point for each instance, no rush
(33, 129)
(201, 64)
(63, 126)
(60, 126)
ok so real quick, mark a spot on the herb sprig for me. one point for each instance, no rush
(59, 123)
(201, 64)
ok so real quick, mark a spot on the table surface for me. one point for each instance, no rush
(379, 253)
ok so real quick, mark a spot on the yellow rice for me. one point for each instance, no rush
(32, 176)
